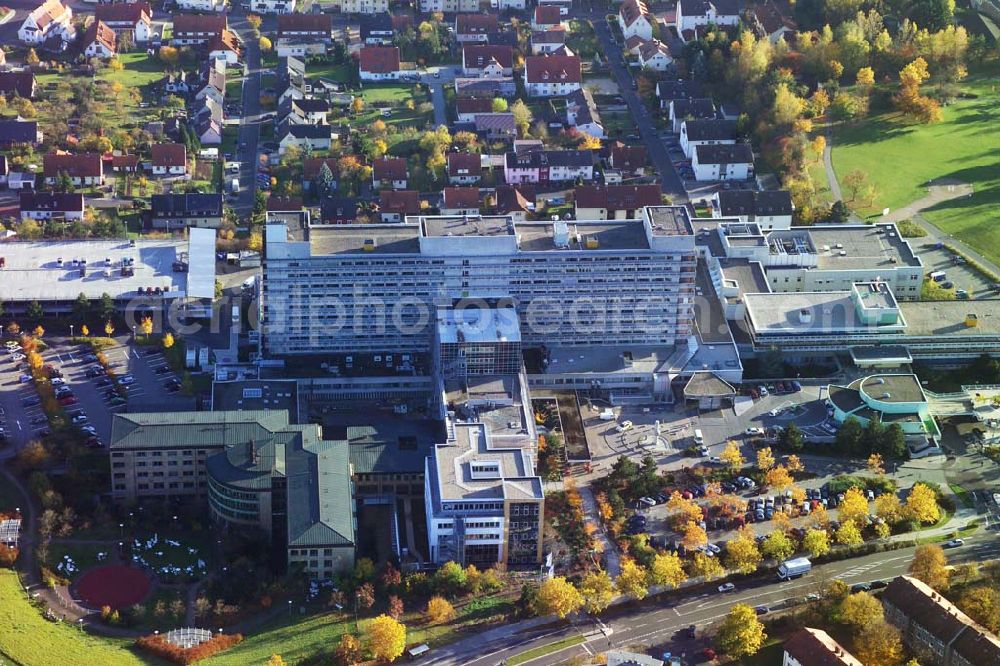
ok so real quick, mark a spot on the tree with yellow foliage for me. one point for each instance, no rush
(38, 331)
(876, 465)
(778, 478)
(633, 579)
(859, 610)
(888, 507)
(742, 553)
(84, 330)
(819, 517)
(854, 507)
(703, 566)
(439, 610)
(694, 536)
(879, 645)
(816, 542)
(921, 504)
(931, 566)
(146, 325)
(794, 464)
(742, 633)
(597, 590)
(732, 456)
(357, 105)
(778, 546)
(865, 78)
(765, 458)
(590, 143)
(682, 511)
(386, 638)
(848, 534)
(109, 328)
(275, 660)
(667, 569)
(348, 650)
(265, 44)
(558, 597)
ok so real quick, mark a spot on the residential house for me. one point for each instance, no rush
(552, 75)
(464, 168)
(545, 166)
(4, 169)
(311, 26)
(193, 29)
(339, 210)
(635, 19)
(19, 133)
(100, 41)
(311, 168)
(507, 5)
(83, 169)
(168, 159)
(671, 89)
(467, 107)
(300, 47)
(48, 20)
(21, 180)
(449, 6)
(934, 628)
(50, 206)
(522, 146)
(517, 201)
(214, 87)
(486, 87)
(768, 20)
(564, 5)
(723, 162)
(272, 6)
(390, 173)
(692, 14)
(495, 126)
(134, 18)
(582, 113)
(125, 163)
(546, 17)
(548, 41)
(176, 211)
(615, 202)
(209, 131)
(460, 201)
(655, 55)
(699, 108)
(475, 27)
(304, 111)
(224, 47)
(377, 30)
(395, 205)
(306, 137)
(487, 60)
(379, 63)
(629, 160)
(364, 6)
(771, 210)
(815, 647)
(706, 133)
(276, 204)
(17, 84)
(180, 84)
(201, 5)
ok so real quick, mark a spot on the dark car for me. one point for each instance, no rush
(101, 383)
(860, 587)
(164, 370)
(691, 631)
(31, 401)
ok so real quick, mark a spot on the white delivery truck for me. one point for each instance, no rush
(794, 568)
(234, 187)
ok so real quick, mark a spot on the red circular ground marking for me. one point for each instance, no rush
(114, 585)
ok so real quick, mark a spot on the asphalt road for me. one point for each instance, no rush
(670, 182)
(249, 132)
(655, 622)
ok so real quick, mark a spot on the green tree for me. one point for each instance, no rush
(106, 306)
(499, 105)
(522, 116)
(81, 307)
(892, 444)
(849, 436)
(872, 437)
(778, 546)
(450, 579)
(816, 542)
(324, 180)
(34, 311)
(791, 439)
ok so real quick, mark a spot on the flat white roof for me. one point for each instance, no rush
(32, 270)
(201, 263)
(479, 325)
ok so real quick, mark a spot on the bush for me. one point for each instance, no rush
(880, 484)
(158, 646)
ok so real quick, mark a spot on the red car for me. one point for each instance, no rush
(68, 400)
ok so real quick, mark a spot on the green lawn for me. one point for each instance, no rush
(140, 70)
(84, 555)
(900, 157)
(544, 650)
(29, 639)
(329, 71)
(387, 93)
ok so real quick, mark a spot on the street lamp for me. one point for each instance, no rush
(289, 608)
(71, 330)
(121, 530)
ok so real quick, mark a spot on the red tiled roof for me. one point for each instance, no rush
(628, 157)
(312, 165)
(817, 648)
(123, 12)
(169, 154)
(552, 69)
(478, 56)
(556, 35)
(617, 197)
(476, 24)
(510, 199)
(473, 105)
(192, 23)
(400, 202)
(225, 42)
(125, 161)
(547, 15)
(284, 203)
(402, 21)
(633, 10)
(84, 165)
(389, 168)
(461, 197)
(464, 164)
(322, 23)
(100, 32)
(379, 59)
(21, 83)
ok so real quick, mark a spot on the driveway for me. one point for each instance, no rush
(445, 76)
(669, 180)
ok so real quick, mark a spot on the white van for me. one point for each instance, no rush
(607, 415)
(938, 276)
(698, 437)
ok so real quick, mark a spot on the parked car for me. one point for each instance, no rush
(624, 427)
(953, 543)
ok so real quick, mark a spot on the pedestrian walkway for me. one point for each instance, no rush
(610, 548)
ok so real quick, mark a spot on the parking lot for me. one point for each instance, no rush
(958, 274)
(88, 395)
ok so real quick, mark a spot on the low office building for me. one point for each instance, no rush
(936, 630)
(485, 504)
(889, 398)
(770, 210)
(722, 162)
